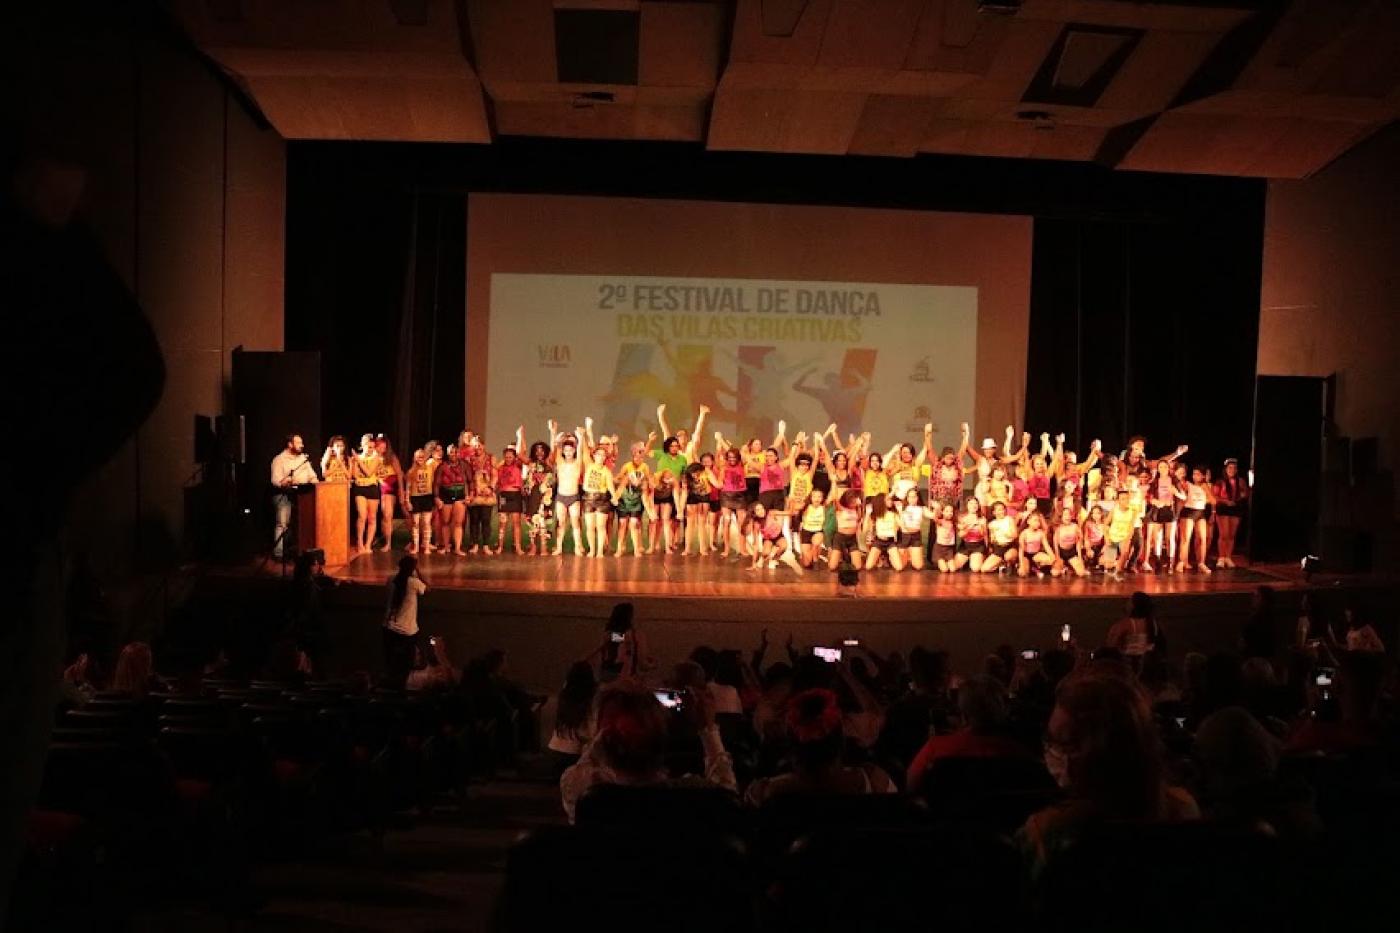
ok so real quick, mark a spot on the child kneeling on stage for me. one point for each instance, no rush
(774, 545)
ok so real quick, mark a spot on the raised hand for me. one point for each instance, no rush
(1097, 445)
(966, 429)
(661, 410)
(588, 422)
(1060, 438)
(782, 428)
(1025, 438)
(1045, 437)
(928, 428)
(704, 409)
(1010, 432)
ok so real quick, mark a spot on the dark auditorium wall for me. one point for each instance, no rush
(1330, 297)
(184, 193)
(1144, 288)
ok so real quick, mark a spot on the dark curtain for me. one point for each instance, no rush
(1147, 327)
(376, 280)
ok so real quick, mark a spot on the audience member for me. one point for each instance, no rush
(434, 669)
(1343, 714)
(568, 716)
(1137, 634)
(1238, 781)
(623, 652)
(135, 672)
(726, 696)
(814, 723)
(630, 744)
(1103, 748)
(401, 621)
(1361, 636)
(983, 710)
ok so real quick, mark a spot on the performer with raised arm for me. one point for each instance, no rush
(599, 497)
(568, 477)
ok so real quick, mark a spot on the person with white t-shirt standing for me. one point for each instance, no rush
(401, 621)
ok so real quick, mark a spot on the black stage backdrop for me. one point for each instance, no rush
(1144, 291)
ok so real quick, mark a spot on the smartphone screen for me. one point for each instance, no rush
(1030, 654)
(1064, 634)
(1323, 678)
(671, 699)
(616, 636)
(851, 642)
(829, 655)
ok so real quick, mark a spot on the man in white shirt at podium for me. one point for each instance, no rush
(291, 467)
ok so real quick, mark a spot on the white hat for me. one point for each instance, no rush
(988, 442)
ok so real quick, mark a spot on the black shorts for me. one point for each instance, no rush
(1067, 553)
(533, 500)
(773, 499)
(1229, 511)
(1032, 555)
(1191, 515)
(451, 494)
(423, 503)
(972, 547)
(1002, 550)
(367, 492)
(1161, 514)
(751, 485)
(734, 501)
(885, 543)
(512, 501)
(714, 504)
(597, 502)
(805, 537)
(844, 542)
(910, 539)
(944, 551)
(562, 502)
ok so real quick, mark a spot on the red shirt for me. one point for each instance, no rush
(961, 744)
(508, 477)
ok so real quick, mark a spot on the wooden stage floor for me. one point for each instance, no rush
(697, 577)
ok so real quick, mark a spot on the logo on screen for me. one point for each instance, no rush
(549, 401)
(554, 355)
(923, 371)
(922, 416)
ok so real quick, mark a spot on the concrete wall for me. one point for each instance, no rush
(185, 193)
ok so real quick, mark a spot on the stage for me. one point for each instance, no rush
(549, 611)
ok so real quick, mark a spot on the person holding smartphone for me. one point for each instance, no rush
(401, 621)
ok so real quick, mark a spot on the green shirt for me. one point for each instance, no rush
(673, 464)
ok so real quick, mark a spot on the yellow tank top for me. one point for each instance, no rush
(420, 481)
(337, 471)
(1120, 525)
(595, 478)
(814, 518)
(800, 486)
(876, 484)
(365, 470)
(753, 463)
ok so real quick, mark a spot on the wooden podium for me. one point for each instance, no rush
(323, 520)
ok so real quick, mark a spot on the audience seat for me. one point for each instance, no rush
(859, 878)
(995, 793)
(705, 808)
(625, 879)
(1172, 877)
(785, 818)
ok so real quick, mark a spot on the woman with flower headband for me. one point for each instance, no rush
(814, 725)
(364, 480)
(1231, 499)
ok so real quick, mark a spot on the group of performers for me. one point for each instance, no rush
(805, 502)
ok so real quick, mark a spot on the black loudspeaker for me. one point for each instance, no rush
(232, 434)
(206, 442)
(1288, 444)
